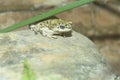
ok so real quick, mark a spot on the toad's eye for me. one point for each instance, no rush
(62, 27)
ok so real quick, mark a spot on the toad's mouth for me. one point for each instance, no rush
(62, 30)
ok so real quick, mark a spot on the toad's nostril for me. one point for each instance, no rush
(62, 27)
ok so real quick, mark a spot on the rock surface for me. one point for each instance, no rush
(70, 58)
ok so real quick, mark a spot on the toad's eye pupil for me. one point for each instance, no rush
(62, 27)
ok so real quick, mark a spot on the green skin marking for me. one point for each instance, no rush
(51, 27)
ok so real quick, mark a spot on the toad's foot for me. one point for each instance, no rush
(48, 33)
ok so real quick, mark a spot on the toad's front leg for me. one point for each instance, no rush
(49, 33)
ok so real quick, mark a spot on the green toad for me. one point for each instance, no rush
(52, 27)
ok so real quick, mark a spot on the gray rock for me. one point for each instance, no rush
(69, 58)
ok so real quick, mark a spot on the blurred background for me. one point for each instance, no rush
(99, 21)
